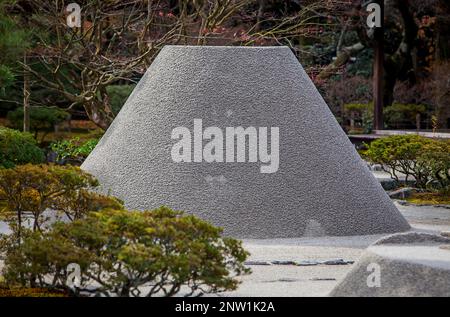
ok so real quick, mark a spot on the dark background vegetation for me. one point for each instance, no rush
(89, 71)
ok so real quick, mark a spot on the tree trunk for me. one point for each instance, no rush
(19, 227)
(26, 97)
(100, 113)
(398, 62)
(260, 14)
(342, 58)
(390, 75)
(394, 64)
(378, 73)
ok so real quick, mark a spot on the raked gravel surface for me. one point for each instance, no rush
(320, 279)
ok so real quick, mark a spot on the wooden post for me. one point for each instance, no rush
(26, 97)
(378, 69)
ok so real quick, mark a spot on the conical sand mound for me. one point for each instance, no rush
(173, 144)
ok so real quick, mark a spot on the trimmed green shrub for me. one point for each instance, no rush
(18, 148)
(41, 118)
(426, 160)
(129, 253)
(435, 157)
(401, 114)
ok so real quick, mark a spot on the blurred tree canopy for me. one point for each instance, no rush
(13, 42)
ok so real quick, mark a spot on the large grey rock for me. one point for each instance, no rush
(402, 193)
(321, 187)
(413, 264)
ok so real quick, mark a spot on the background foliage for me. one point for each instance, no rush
(18, 148)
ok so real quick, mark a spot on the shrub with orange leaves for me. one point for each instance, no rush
(39, 193)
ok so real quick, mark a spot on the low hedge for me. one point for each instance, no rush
(424, 160)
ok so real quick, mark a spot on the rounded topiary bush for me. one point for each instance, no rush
(17, 148)
(426, 160)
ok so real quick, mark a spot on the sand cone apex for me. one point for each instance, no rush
(241, 137)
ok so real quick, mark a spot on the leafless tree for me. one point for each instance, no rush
(117, 41)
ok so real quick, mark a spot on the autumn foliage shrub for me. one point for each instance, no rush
(28, 191)
(57, 221)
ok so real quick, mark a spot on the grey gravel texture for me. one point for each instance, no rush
(412, 237)
(322, 187)
(413, 264)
